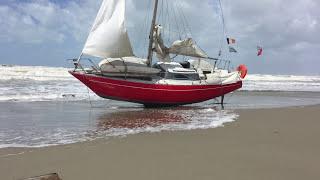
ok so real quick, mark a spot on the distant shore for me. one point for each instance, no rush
(280, 143)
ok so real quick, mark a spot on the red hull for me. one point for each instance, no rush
(153, 94)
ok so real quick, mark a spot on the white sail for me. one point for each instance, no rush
(108, 36)
(158, 45)
(188, 48)
(185, 47)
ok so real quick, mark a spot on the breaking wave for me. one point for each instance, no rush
(37, 83)
(261, 82)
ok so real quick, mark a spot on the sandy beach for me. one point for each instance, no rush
(159, 90)
(265, 144)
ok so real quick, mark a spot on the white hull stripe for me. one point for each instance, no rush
(156, 89)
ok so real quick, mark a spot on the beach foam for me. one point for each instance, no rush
(37, 83)
(46, 132)
(36, 73)
(260, 82)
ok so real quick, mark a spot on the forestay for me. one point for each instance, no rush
(108, 37)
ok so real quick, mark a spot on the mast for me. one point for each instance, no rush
(153, 23)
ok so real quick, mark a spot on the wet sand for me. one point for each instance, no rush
(262, 144)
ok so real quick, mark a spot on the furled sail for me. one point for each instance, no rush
(108, 37)
(158, 45)
(187, 47)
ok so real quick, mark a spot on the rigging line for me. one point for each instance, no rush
(164, 14)
(166, 23)
(184, 30)
(219, 63)
(168, 20)
(184, 20)
(89, 97)
(176, 21)
(228, 99)
(172, 31)
(145, 25)
(160, 14)
(224, 29)
(186, 24)
(222, 18)
(88, 91)
(144, 31)
(162, 20)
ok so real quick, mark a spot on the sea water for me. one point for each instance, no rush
(35, 83)
(44, 106)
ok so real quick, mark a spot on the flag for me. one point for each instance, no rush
(259, 51)
(231, 41)
(232, 50)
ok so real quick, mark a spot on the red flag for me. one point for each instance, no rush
(259, 51)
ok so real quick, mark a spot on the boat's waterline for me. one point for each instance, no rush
(34, 83)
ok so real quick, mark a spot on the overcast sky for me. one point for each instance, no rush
(47, 32)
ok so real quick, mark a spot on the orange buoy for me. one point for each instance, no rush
(243, 70)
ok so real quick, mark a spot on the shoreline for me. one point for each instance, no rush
(237, 111)
(279, 143)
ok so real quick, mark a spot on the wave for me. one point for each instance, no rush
(37, 73)
(261, 82)
(38, 83)
(111, 124)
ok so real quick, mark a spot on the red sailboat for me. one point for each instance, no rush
(122, 76)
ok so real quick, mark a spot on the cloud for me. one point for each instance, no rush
(42, 21)
(286, 29)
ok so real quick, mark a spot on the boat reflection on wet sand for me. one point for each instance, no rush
(145, 120)
(139, 119)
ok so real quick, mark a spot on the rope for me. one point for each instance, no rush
(89, 97)
(88, 91)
